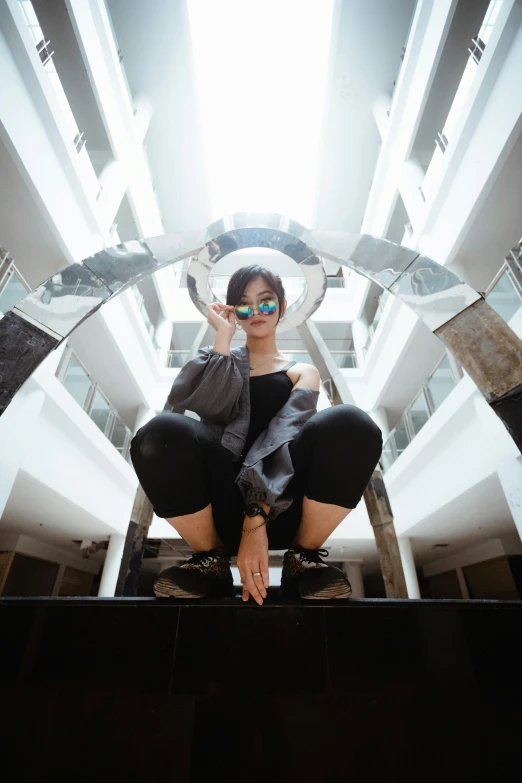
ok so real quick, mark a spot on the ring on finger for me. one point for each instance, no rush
(257, 573)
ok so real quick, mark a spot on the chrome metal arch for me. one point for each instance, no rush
(310, 264)
(51, 312)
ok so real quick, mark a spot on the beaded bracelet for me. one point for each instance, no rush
(254, 528)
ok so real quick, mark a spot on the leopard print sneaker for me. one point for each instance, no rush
(306, 576)
(205, 574)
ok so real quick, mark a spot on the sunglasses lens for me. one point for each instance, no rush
(267, 308)
(244, 312)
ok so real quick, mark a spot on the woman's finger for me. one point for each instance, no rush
(259, 582)
(253, 590)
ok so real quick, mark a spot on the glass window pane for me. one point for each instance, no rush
(11, 294)
(177, 359)
(344, 360)
(504, 298)
(119, 433)
(388, 454)
(419, 413)
(77, 382)
(298, 357)
(441, 383)
(335, 282)
(401, 438)
(100, 411)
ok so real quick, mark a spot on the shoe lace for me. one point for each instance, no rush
(200, 558)
(312, 555)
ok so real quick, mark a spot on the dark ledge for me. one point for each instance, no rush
(272, 600)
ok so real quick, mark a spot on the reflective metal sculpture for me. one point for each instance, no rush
(49, 314)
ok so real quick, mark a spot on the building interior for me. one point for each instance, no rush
(123, 120)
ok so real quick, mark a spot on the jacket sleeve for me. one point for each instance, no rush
(210, 385)
(267, 468)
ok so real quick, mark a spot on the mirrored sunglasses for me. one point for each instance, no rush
(243, 312)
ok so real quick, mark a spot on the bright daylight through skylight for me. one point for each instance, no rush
(261, 72)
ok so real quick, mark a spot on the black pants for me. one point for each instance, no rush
(183, 467)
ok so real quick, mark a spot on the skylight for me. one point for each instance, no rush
(261, 69)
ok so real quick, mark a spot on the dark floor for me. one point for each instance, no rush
(110, 689)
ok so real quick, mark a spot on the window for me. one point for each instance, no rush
(100, 411)
(418, 414)
(346, 360)
(433, 392)
(440, 384)
(12, 293)
(85, 390)
(177, 358)
(504, 296)
(77, 381)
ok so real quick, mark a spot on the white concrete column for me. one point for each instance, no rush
(360, 331)
(408, 564)
(354, 574)
(381, 112)
(143, 111)
(111, 566)
(462, 582)
(163, 338)
(323, 359)
(380, 417)
(510, 477)
(410, 180)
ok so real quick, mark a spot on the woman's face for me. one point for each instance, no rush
(258, 291)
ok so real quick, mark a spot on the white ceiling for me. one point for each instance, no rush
(367, 44)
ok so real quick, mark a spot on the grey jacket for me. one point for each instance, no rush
(217, 388)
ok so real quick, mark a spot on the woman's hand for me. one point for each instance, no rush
(251, 558)
(222, 318)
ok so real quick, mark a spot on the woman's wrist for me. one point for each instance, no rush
(222, 343)
(251, 523)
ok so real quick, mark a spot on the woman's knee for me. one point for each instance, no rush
(352, 423)
(162, 432)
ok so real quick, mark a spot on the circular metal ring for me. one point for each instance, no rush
(239, 238)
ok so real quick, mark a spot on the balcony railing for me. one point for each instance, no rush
(343, 359)
(376, 320)
(13, 287)
(87, 393)
(433, 392)
(505, 293)
(447, 135)
(140, 301)
(45, 52)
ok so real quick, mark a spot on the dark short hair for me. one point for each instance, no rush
(242, 277)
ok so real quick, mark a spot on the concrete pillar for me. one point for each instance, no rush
(462, 582)
(360, 332)
(137, 533)
(410, 180)
(143, 111)
(381, 113)
(163, 338)
(408, 566)
(111, 566)
(354, 575)
(333, 380)
(381, 519)
(510, 477)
